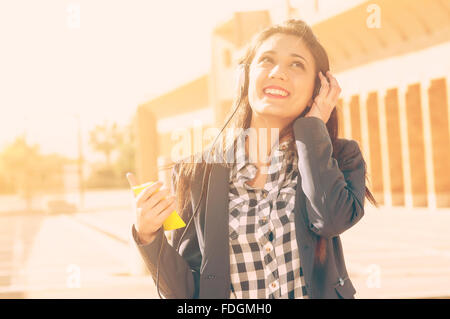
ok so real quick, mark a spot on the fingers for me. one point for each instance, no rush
(329, 89)
(132, 180)
(327, 98)
(166, 212)
(158, 214)
(153, 201)
(163, 204)
(153, 204)
(324, 87)
(147, 192)
(335, 89)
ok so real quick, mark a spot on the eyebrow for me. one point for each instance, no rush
(292, 54)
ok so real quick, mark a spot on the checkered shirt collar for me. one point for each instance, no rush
(242, 159)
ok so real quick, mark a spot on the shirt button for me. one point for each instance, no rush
(274, 285)
(283, 147)
(264, 194)
(264, 219)
(268, 249)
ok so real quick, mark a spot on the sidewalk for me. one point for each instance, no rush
(57, 256)
(390, 253)
(399, 253)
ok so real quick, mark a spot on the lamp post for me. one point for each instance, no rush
(80, 163)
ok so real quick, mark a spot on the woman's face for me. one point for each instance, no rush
(281, 78)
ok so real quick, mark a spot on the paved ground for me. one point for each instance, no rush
(59, 257)
(399, 253)
(390, 253)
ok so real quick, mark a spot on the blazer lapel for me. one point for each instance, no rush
(216, 260)
(304, 242)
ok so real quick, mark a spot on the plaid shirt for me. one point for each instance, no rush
(264, 259)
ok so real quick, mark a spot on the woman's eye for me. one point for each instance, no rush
(268, 59)
(263, 59)
(298, 64)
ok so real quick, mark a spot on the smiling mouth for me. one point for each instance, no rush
(275, 93)
(275, 96)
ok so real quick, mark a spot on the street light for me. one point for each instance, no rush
(80, 163)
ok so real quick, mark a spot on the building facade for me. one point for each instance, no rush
(391, 61)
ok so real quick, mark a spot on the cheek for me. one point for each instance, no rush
(305, 89)
(302, 97)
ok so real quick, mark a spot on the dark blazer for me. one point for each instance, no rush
(329, 200)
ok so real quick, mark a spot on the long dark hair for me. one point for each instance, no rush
(241, 115)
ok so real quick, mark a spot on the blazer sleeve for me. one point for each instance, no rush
(178, 271)
(334, 197)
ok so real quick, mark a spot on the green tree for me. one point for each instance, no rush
(105, 139)
(29, 172)
(109, 140)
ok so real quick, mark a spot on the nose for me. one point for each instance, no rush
(278, 72)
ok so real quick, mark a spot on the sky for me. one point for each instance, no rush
(97, 59)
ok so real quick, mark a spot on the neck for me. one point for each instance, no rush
(267, 133)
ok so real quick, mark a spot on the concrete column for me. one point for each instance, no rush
(365, 143)
(384, 150)
(376, 170)
(404, 145)
(440, 141)
(428, 146)
(341, 118)
(346, 115)
(416, 147)
(394, 145)
(355, 118)
(447, 93)
(147, 148)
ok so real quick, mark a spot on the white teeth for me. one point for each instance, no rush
(275, 92)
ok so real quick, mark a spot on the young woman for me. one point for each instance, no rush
(263, 228)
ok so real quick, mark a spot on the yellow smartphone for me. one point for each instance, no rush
(172, 222)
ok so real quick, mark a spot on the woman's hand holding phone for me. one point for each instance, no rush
(153, 206)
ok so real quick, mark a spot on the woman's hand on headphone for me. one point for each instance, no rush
(327, 98)
(153, 205)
